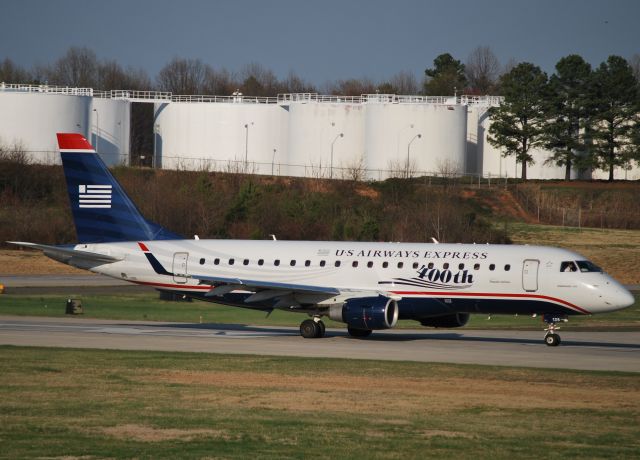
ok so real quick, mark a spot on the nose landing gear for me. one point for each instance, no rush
(551, 338)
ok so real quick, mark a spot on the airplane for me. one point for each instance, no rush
(368, 286)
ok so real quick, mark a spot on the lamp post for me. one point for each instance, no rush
(246, 146)
(273, 160)
(417, 136)
(333, 142)
(97, 129)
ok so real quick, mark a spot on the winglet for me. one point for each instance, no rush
(73, 141)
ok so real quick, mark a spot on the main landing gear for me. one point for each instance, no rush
(551, 338)
(312, 328)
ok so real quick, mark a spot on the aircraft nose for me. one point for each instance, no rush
(625, 298)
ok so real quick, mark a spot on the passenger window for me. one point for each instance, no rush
(400, 264)
(307, 263)
(337, 264)
(261, 262)
(385, 264)
(354, 264)
(201, 261)
(276, 262)
(245, 262)
(445, 266)
(492, 267)
(231, 261)
(216, 261)
(322, 263)
(507, 268)
(292, 263)
(461, 267)
(415, 265)
(568, 266)
(476, 267)
(369, 264)
(430, 266)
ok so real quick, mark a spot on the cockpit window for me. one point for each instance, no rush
(568, 266)
(586, 266)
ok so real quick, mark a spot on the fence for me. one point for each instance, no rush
(318, 171)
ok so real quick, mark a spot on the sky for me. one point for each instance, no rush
(319, 40)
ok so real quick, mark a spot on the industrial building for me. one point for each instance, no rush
(373, 136)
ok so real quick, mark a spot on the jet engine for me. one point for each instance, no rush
(455, 320)
(367, 313)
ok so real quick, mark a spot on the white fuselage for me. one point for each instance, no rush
(473, 276)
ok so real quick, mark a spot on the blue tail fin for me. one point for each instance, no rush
(102, 211)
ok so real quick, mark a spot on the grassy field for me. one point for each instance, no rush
(149, 307)
(58, 403)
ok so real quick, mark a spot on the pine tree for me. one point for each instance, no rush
(614, 98)
(567, 112)
(517, 125)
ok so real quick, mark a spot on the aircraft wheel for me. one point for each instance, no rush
(552, 340)
(360, 333)
(321, 329)
(309, 329)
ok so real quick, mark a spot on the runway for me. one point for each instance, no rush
(605, 351)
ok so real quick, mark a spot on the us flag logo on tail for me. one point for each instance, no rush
(94, 196)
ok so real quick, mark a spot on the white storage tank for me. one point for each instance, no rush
(31, 117)
(316, 129)
(32, 120)
(110, 129)
(430, 137)
(222, 136)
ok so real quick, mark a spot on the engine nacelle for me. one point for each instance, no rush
(455, 320)
(367, 313)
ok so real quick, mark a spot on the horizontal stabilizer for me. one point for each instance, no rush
(63, 253)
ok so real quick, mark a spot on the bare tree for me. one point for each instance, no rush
(219, 82)
(112, 76)
(183, 76)
(354, 171)
(258, 80)
(634, 62)
(351, 87)
(404, 82)
(12, 73)
(78, 67)
(482, 70)
(296, 84)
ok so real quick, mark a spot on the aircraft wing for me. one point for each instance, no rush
(265, 290)
(64, 254)
(274, 289)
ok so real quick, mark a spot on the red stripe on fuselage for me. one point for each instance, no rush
(184, 287)
(489, 294)
(143, 247)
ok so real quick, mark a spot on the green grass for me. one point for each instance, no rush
(116, 404)
(149, 307)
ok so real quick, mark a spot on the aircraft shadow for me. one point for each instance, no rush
(396, 336)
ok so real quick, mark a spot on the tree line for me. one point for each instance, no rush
(588, 118)
(80, 67)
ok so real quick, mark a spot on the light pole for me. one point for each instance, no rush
(399, 135)
(246, 146)
(97, 129)
(273, 160)
(417, 136)
(333, 142)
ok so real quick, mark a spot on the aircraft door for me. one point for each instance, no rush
(180, 267)
(530, 275)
